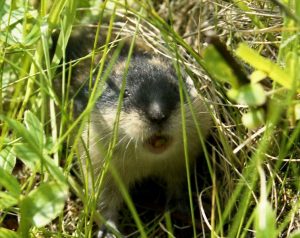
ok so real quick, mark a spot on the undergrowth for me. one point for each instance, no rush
(244, 58)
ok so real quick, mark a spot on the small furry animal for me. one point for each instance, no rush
(149, 142)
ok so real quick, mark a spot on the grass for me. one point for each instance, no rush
(247, 183)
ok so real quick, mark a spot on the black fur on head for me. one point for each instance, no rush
(151, 88)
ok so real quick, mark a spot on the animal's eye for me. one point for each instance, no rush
(126, 93)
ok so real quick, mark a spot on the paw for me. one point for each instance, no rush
(104, 233)
(109, 231)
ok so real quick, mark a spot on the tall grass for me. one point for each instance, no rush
(251, 187)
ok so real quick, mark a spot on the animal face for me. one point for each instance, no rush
(150, 120)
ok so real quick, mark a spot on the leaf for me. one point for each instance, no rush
(28, 156)
(257, 76)
(31, 152)
(7, 159)
(35, 128)
(250, 94)
(33, 160)
(14, 34)
(265, 220)
(7, 200)
(297, 111)
(259, 62)
(22, 132)
(5, 233)
(58, 6)
(42, 205)
(218, 67)
(295, 234)
(3, 8)
(10, 183)
(55, 170)
(254, 119)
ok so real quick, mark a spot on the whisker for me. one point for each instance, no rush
(126, 149)
(101, 139)
(121, 140)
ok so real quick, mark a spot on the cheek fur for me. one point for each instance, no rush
(202, 116)
(132, 125)
(108, 117)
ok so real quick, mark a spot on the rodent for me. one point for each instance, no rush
(150, 138)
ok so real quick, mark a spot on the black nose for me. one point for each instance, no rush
(157, 113)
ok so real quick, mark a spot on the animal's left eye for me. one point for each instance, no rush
(126, 93)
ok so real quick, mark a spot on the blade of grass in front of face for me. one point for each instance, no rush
(184, 94)
(116, 176)
(92, 195)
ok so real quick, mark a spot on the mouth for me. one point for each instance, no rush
(158, 143)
